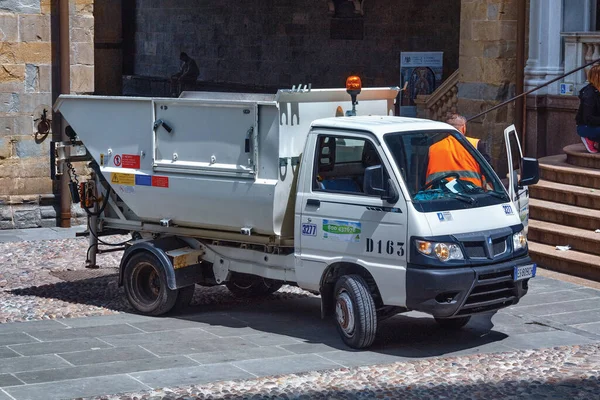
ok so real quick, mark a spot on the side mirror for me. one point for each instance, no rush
(530, 172)
(374, 183)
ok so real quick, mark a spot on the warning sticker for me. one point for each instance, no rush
(143, 180)
(160, 181)
(130, 161)
(122, 179)
(117, 160)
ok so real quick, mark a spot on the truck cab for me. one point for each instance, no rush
(449, 244)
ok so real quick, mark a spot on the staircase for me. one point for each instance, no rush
(564, 209)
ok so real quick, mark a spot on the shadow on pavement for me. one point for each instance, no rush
(285, 313)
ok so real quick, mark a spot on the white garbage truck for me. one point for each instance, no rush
(307, 187)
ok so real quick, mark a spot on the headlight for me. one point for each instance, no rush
(519, 240)
(443, 251)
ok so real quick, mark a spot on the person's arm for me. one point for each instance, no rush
(588, 107)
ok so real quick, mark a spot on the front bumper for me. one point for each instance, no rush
(455, 292)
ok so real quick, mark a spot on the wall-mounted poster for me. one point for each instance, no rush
(422, 71)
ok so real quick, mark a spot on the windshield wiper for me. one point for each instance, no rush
(501, 196)
(465, 198)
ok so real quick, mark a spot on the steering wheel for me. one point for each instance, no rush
(439, 179)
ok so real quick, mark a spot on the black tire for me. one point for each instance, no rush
(146, 287)
(355, 312)
(453, 323)
(245, 285)
(184, 298)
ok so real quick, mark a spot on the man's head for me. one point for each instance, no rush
(594, 76)
(457, 121)
(183, 56)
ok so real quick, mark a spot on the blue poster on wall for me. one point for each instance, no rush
(422, 73)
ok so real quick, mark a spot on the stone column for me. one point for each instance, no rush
(26, 59)
(487, 64)
(545, 45)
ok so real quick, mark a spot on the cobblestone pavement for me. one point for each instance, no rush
(557, 373)
(259, 349)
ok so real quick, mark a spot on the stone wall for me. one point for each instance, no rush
(487, 64)
(28, 54)
(280, 43)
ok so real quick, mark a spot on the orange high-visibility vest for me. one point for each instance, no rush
(448, 155)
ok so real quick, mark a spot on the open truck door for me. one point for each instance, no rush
(522, 172)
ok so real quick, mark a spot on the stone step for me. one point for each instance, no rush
(566, 193)
(564, 214)
(570, 262)
(556, 169)
(582, 240)
(577, 155)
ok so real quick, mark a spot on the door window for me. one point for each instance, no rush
(340, 164)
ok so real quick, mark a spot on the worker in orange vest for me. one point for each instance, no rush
(448, 155)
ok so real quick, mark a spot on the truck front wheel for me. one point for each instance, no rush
(355, 311)
(146, 285)
(245, 285)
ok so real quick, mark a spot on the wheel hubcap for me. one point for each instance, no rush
(345, 313)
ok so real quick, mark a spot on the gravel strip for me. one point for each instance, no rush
(47, 279)
(569, 372)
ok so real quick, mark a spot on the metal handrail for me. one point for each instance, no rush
(532, 90)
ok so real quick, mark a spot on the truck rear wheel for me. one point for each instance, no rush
(453, 323)
(245, 285)
(355, 311)
(146, 285)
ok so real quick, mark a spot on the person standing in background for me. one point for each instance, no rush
(186, 77)
(588, 114)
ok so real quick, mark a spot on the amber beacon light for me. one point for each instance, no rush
(353, 87)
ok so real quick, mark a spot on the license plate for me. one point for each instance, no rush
(524, 272)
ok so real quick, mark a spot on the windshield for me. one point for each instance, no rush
(444, 171)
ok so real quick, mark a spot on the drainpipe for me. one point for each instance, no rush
(65, 88)
(520, 106)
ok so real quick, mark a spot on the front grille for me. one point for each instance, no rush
(491, 292)
(475, 249)
(499, 246)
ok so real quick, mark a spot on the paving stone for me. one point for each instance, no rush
(224, 331)
(593, 327)
(74, 333)
(230, 343)
(270, 339)
(107, 355)
(544, 340)
(9, 380)
(15, 338)
(308, 348)
(559, 308)
(360, 358)
(119, 367)
(223, 356)
(159, 338)
(5, 352)
(30, 326)
(577, 317)
(76, 388)
(286, 365)
(123, 318)
(5, 396)
(34, 363)
(192, 375)
(191, 345)
(61, 346)
(553, 297)
(167, 324)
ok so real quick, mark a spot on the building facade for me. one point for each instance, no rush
(131, 47)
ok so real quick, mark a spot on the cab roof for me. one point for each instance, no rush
(380, 125)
